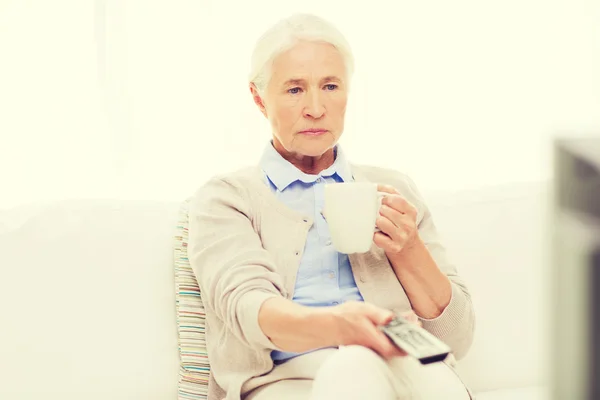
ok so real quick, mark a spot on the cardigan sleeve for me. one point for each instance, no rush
(235, 273)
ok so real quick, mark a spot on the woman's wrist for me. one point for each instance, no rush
(294, 327)
(320, 324)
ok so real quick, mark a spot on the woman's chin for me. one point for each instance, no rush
(317, 149)
(318, 142)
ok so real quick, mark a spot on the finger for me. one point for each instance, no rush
(378, 341)
(400, 204)
(410, 316)
(377, 315)
(387, 189)
(383, 241)
(417, 320)
(398, 352)
(385, 224)
(399, 219)
(387, 349)
(406, 226)
(398, 235)
(394, 350)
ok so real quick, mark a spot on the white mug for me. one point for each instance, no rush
(351, 211)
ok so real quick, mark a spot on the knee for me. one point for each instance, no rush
(353, 372)
(357, 354)
(350, 360)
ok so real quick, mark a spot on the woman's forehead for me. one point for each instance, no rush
(309, 60)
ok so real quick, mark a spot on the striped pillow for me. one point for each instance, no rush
(194, 367)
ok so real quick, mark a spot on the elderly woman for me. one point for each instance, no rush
(287, 316)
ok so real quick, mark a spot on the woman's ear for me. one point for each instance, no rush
(258, 100)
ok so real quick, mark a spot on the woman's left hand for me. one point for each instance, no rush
(397, 220)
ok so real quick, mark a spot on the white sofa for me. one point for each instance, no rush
(87, 295)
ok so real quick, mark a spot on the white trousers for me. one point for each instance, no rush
(355, 372)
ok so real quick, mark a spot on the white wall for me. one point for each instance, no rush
(146, 99)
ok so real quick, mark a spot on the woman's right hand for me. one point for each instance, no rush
(296, 328)
(358, 323)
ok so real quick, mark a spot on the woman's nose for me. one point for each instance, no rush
(314, 107)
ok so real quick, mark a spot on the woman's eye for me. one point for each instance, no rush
(295, 90)
(331, 86)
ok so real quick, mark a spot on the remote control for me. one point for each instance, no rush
(416, 341)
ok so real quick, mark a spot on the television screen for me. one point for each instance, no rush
(575, 255)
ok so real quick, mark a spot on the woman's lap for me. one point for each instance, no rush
(288, 389)
(355, 372)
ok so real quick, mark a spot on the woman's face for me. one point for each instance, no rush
(305, 100)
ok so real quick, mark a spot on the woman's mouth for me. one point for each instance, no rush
(313, 132)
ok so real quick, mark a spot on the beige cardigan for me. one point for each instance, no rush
(245, 246)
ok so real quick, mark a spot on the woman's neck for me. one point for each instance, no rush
(311, 165)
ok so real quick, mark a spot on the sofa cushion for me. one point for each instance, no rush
(194, 369)
(497, 237)
(87, 301)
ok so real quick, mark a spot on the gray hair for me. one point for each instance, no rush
(285, 34)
